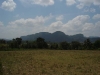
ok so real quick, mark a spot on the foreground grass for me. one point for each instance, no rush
(50, 62)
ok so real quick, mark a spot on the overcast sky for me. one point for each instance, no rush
(24, 17)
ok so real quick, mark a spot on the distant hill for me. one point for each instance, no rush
(57, 36)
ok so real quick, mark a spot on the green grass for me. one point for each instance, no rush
(50, 62)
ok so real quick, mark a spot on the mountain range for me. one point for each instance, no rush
(58, 36)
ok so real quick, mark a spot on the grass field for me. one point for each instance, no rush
(50, 62)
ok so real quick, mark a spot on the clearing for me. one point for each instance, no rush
(50, 62)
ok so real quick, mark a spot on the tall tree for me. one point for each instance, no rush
(87, 44)
(3, 44)
(19, 41)
(75, 45)
(41, 43)
(15, 43)
(53, 46)
(64, 45)
(2, 41)
(97, 44)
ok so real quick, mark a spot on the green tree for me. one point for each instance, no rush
(53, 46)
(87, 44)
(19, 41)
(3, 44)
(41, 43)
(15, 43)
(64, 45)
(2, 41)
(75, 45)
(97, 44)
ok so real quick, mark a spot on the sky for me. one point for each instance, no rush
(24, 17)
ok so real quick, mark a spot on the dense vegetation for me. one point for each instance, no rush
(40, 43)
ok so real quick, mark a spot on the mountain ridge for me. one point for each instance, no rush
(57, 36)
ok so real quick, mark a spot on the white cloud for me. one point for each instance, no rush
(55, 26)
(87, 27)
(75, 25)
(1, 24)
(97, 25)
(61, 0)
(44, 2)
(90, 10)
(8, 5)
(86, 2)
(80, 6)
(39, 2)
(70, 2)
(82, 3)
(96, 2)
(97, 29)
(59, 18)
(97, 16)
(79, 20)
(30, 22)
(79, 24)
(23, 26)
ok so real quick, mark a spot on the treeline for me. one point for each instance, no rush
(40, 43)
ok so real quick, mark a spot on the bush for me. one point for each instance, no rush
(3, 46)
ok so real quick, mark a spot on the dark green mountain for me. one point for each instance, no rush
(57, 36)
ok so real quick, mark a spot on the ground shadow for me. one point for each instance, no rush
(1, 68)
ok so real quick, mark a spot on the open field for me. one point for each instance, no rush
(50, 62)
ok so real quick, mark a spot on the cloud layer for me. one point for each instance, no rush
(59, 18)
(82, 3)
(8, 5)
(70, 2)
(39, 2)
(79, 24)
(1, 24)
(97, 16)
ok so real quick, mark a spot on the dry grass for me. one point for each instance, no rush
(50, 62)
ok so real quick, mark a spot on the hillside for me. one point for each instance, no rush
(57, 36)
